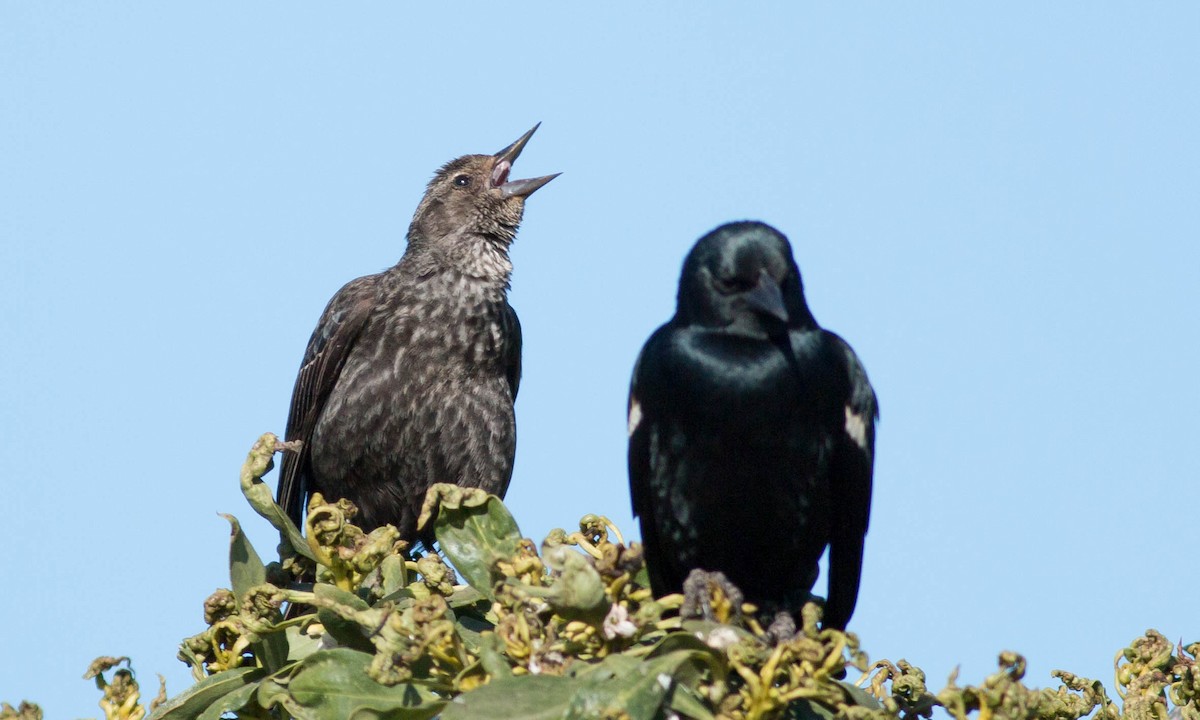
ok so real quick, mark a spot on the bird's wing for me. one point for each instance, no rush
(639, 445)
(641, 426)
(339, 327)
(852, 468)
(511, 331)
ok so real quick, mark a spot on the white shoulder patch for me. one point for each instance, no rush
(635, 415)
(856, 428)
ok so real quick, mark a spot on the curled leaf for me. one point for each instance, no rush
(259, 462)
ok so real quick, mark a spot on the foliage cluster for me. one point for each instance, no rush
(567, 630)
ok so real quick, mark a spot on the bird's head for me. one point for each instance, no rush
(742, 277)
(473, 196)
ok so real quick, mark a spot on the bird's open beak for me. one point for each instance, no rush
(504, 161)
(767, 298)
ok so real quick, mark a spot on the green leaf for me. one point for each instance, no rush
(637, 688)
(471, 630)
(273, 650)
(191, 703)
(334, 685)
(299, 644)
(232, 702)
(258, 463)
(272, 691)
(491, 657)
(858, 696)
(393, 573)
(642, 576)
(807, 710)
(246, 569)
(702, 657)
(345, 631)
(530, 697)
(466, 596)
(399, 598)
(470, 610)
(688, 703)
(475, 530)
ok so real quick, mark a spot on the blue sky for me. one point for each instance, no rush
(999, 207)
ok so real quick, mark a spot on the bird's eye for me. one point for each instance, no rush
(462, 180)
(731, 285)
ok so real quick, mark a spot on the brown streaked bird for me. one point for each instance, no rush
(410, 376)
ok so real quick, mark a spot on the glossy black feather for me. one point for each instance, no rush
(751, 432)
(410, 375)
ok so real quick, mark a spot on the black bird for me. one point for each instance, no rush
(751, 432)
(410, 376)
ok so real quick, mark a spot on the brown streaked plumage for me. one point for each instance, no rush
(410, 376)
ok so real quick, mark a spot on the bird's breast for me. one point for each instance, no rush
(422, 341)
(454, 319)
(726, 380)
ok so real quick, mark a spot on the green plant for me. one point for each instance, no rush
(565, 630)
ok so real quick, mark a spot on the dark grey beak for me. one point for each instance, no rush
(767, 298)
(525, 188)
(504, 161)
(512, 152)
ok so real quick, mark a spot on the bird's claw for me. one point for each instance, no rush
(711, 596)
(289, 446)
(782, 628)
